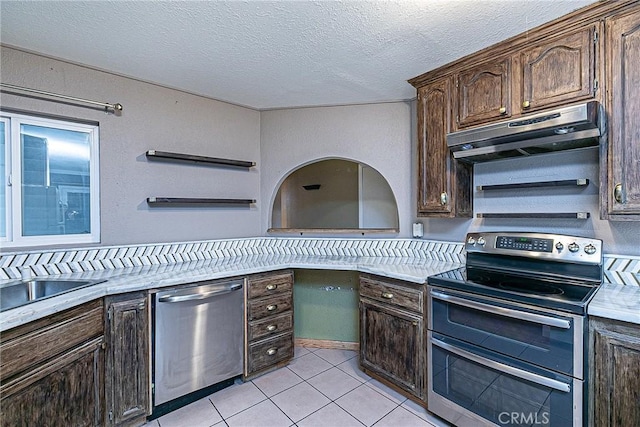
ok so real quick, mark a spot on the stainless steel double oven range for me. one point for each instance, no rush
(507, 332)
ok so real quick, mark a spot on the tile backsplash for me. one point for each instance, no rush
(619, 269)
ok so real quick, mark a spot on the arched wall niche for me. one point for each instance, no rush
(334, 195)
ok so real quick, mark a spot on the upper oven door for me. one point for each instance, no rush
(545, 339)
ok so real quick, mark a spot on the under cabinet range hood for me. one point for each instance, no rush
(567, 128)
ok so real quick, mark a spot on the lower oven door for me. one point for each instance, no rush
(547, 339)
(470, 386)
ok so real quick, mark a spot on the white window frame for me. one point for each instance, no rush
(13, 182)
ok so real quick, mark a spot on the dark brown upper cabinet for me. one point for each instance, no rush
(620, 171)
(441, 190)
(483, 93)
(559, 71)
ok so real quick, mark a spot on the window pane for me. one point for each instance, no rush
(3, 187)
(55, 181)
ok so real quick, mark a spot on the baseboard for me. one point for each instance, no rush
(338, 345)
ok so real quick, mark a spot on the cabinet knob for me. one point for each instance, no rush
(272, 287)
(617, 193)
(387, 295)
(271, 328)
(526, 104)
(503, 110)
(271, 307)
(414, 323)
(272, 351)
(444, 198)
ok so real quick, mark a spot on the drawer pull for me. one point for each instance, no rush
(617, 193)
(271, 328)
(271, 307)
(387, 295)
(272, 351)
(272, 287)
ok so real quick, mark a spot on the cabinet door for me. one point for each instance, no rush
(621, 191)
(392, 345)
(483, 94)
(616, 381)
(444, 185)
(66, 391)
(560, 71)
(127, 362)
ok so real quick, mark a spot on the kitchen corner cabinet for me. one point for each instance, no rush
(620, 179)
(559, 71)
(127, 359)
(444, 184)
(615, 373)
(392, 333)
(52, 370)
(269, 326)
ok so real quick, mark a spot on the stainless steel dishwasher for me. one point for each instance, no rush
(198, 337)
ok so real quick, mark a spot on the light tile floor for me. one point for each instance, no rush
(320, 387)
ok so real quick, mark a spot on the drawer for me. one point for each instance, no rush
(410, 299)
(267, 353)
(32, 344)
(259, 309)
(270, 326)
(266, 285)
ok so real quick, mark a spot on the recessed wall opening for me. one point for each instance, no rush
(335, 195)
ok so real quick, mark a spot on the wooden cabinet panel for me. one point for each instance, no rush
(483, 93)
(615, 384)
(444, 185)
(127, 359)
(269, 327)
(559, 71)
(410, 299)
(392, 332)
(52, 370)
(277, 304)
(620, 190)
(268, 353)
(265, 285)
(391, 345)
(67, 390)
(25, 346)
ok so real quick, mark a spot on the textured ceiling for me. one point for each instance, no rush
(272, 54)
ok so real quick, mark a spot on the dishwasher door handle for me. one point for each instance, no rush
(208, 293)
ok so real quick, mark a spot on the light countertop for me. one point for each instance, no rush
(415, 270)
(617, 302)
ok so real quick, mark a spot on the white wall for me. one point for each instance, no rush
(378, 135)
(153, 118)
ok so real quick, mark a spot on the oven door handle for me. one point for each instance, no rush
(503, 311)
(516, 372)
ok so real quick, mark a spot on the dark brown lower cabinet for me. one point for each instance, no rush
(392, 344)
(52, 370)
(127, 359)
(615, 373)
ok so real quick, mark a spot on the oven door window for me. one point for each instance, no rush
(493, 387)
(536, 337)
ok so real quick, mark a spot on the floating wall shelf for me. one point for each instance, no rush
(175, 201)
(155, 154)
(563, 183)
(567, 215)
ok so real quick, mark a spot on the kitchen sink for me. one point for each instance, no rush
(20, 293)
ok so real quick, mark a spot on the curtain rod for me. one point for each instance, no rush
(107, 106)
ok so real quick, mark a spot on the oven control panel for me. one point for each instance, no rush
(556, 247)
